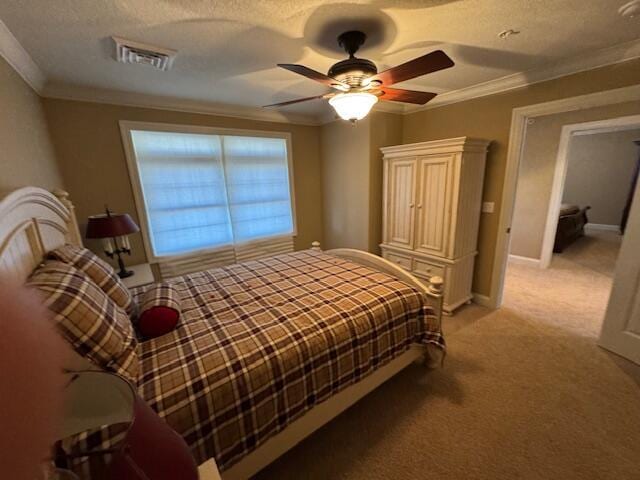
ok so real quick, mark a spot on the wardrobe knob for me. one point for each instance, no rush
(419, 206)
(411, 205)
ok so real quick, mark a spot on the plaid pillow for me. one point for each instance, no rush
(159, 310)
(87, 318)
(99, 271)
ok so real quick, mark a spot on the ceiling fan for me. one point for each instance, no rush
(359, 84)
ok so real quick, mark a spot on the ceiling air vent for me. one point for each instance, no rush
(128, 51)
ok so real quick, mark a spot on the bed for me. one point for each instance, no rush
(571, 222)
(267, 351)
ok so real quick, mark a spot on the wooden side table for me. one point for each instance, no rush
(142, 275)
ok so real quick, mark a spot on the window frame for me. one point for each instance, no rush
(127, 126)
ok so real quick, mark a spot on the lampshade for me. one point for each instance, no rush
(110, 225)
(353, 106)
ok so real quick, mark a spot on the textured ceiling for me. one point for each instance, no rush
(227, 50)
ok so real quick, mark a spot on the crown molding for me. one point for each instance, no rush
(560, 68)
(390, 107)
(20, 60)
(467, 144)
(132, 99)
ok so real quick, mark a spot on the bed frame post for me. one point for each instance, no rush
(72, 222)
(432, 288)
(435, 297)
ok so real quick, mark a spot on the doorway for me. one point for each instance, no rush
(621, 98)
(568, 269)
(586, 187)
(596, 171)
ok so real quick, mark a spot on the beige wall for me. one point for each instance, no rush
(535, 179)
(26, 153)
(490, 118)
(599, 172)
(386, 130)
(87, 140)
(352, 179)
(346, 183)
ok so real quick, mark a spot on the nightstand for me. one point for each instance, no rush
(142, 276)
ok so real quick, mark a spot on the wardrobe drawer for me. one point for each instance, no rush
(427, 269)
(401, 260)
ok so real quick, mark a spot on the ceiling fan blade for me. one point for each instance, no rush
(299, 100)
(314, 75)
(406, 96)
(429, 63)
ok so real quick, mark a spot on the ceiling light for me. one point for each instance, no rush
(353, 106)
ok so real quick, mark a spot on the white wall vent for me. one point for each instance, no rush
(128, 51)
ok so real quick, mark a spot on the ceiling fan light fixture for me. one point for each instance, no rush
(353, 106)
(360, 83)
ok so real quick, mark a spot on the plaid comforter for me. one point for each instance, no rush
(260, 343)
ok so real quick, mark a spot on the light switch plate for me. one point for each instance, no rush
(487, 207)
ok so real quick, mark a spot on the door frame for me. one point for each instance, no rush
(519, 118)
(560, 174)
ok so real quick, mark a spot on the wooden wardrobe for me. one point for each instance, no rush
(431, 211)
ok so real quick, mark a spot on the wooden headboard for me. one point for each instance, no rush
(33, 221)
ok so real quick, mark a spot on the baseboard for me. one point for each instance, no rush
(602, 227)
(532, 262)
(483, 300)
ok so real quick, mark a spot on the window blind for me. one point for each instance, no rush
(203, 191)
(257, 186)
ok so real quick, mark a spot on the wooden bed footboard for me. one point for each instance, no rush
(432, 290)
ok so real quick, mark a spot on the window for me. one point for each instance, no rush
(208, 188)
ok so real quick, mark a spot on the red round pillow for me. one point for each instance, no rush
(159, 311)
(158, 321)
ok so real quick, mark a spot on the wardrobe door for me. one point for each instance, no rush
(435, 187)
(400, 197)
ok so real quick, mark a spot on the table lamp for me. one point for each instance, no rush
(113, 229)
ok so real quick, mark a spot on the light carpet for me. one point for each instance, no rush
(525, 393)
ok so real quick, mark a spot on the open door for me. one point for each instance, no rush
(621, 327)
(634, 182)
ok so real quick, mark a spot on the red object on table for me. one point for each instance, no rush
(144, 447)
(151, 450)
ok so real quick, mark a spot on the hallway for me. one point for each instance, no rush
(573, 292)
